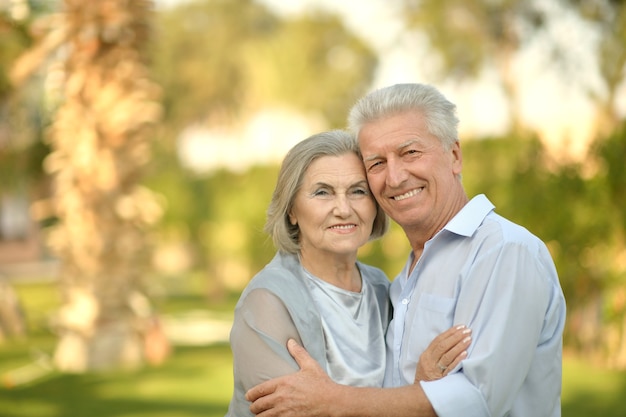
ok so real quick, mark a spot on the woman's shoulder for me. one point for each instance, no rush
(281, 267)
(280, 277)
(373, 274)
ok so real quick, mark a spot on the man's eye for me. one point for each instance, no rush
(375, 165)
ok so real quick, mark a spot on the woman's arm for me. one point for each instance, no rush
(261, 328)
(443, 354)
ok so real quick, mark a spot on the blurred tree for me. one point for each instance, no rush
(471, 35)
(578, 211)
(220, 62)
(100, 144)
(245, 58)
(198, 59)
(21, 153)
(610, 251)
(599, 305)
(608, 18)
(311, 63)
(22, 117)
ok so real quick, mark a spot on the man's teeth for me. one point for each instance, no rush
(406, 195)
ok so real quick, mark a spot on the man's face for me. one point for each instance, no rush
(414, 179)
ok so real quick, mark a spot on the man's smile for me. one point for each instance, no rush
(408, 194)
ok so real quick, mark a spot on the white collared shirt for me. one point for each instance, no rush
(497, 278)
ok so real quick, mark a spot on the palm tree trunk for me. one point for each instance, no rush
(100, 145)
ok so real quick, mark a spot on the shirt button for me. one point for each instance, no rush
(405, 301)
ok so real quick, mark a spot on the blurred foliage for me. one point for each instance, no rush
(22, 113)
(608, 18)
(15, 40)
(218, 62)
(577, 209)
(467, 34)
(470, 36)
(198, 57)
(222, 59)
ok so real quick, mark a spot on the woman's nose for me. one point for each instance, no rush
(342, 205)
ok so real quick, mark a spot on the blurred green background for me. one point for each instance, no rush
(140, 142)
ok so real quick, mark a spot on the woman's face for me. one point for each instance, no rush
(334, 208)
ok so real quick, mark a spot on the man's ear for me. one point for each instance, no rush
(457, 158)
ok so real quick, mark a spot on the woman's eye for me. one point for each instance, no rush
(360, 191)
(321, 193)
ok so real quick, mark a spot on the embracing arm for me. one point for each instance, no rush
(310, 392)
(260, 331)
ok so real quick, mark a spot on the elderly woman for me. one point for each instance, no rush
(315, 290)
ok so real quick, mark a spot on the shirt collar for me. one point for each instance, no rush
(471, 216)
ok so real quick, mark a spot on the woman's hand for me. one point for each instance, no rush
(443, 354)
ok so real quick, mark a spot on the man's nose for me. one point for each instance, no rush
(396, 173)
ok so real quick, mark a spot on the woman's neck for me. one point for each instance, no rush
(339, 271)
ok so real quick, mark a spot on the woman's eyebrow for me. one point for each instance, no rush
(360, 183)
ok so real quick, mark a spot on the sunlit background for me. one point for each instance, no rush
(140, 142)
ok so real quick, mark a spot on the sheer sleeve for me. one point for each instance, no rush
(261, 328)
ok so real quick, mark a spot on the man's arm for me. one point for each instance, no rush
(504, 299)
(310, 391)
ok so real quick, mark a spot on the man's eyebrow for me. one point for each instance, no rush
(400, 146)
(407, 143)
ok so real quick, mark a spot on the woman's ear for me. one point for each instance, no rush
(292, 219)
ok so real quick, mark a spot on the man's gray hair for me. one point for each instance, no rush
(440, 114)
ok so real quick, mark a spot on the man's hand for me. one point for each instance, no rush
(301, 394)
(443, 354)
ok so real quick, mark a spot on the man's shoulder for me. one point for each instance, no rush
(508, 230)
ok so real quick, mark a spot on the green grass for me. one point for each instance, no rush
(592, 391)
(194, 382)
(197, 381)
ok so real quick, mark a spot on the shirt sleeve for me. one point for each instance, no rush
(504, 298)
(261, 328)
